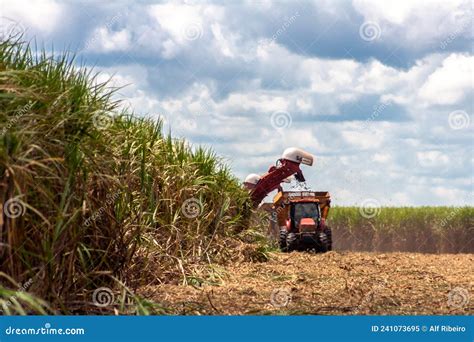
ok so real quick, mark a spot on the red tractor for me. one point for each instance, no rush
(300, 215)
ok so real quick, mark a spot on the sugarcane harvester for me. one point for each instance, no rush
(300, 215)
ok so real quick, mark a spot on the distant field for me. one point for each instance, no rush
(421, 229)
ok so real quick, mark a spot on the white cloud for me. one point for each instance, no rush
(105, 40)
(175, 18)
(434, 159)
(328, 76)
(381, 157)
(364, 140)
(450, 196)
(223, 44)
(43, 16)
(420, 22)
(260, 102)
(401, 199)
(401, 11)
(449, 83)
(130, 78)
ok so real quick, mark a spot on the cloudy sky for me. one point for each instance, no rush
(379, 91)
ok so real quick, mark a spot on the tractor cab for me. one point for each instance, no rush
(304, 216)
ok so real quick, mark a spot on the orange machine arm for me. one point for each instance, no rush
(274, 177)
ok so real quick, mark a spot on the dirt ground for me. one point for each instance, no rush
(336, 283)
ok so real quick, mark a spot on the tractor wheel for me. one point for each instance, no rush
(291, 242)
(283, 235)
(328, 233)
(322, 243)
